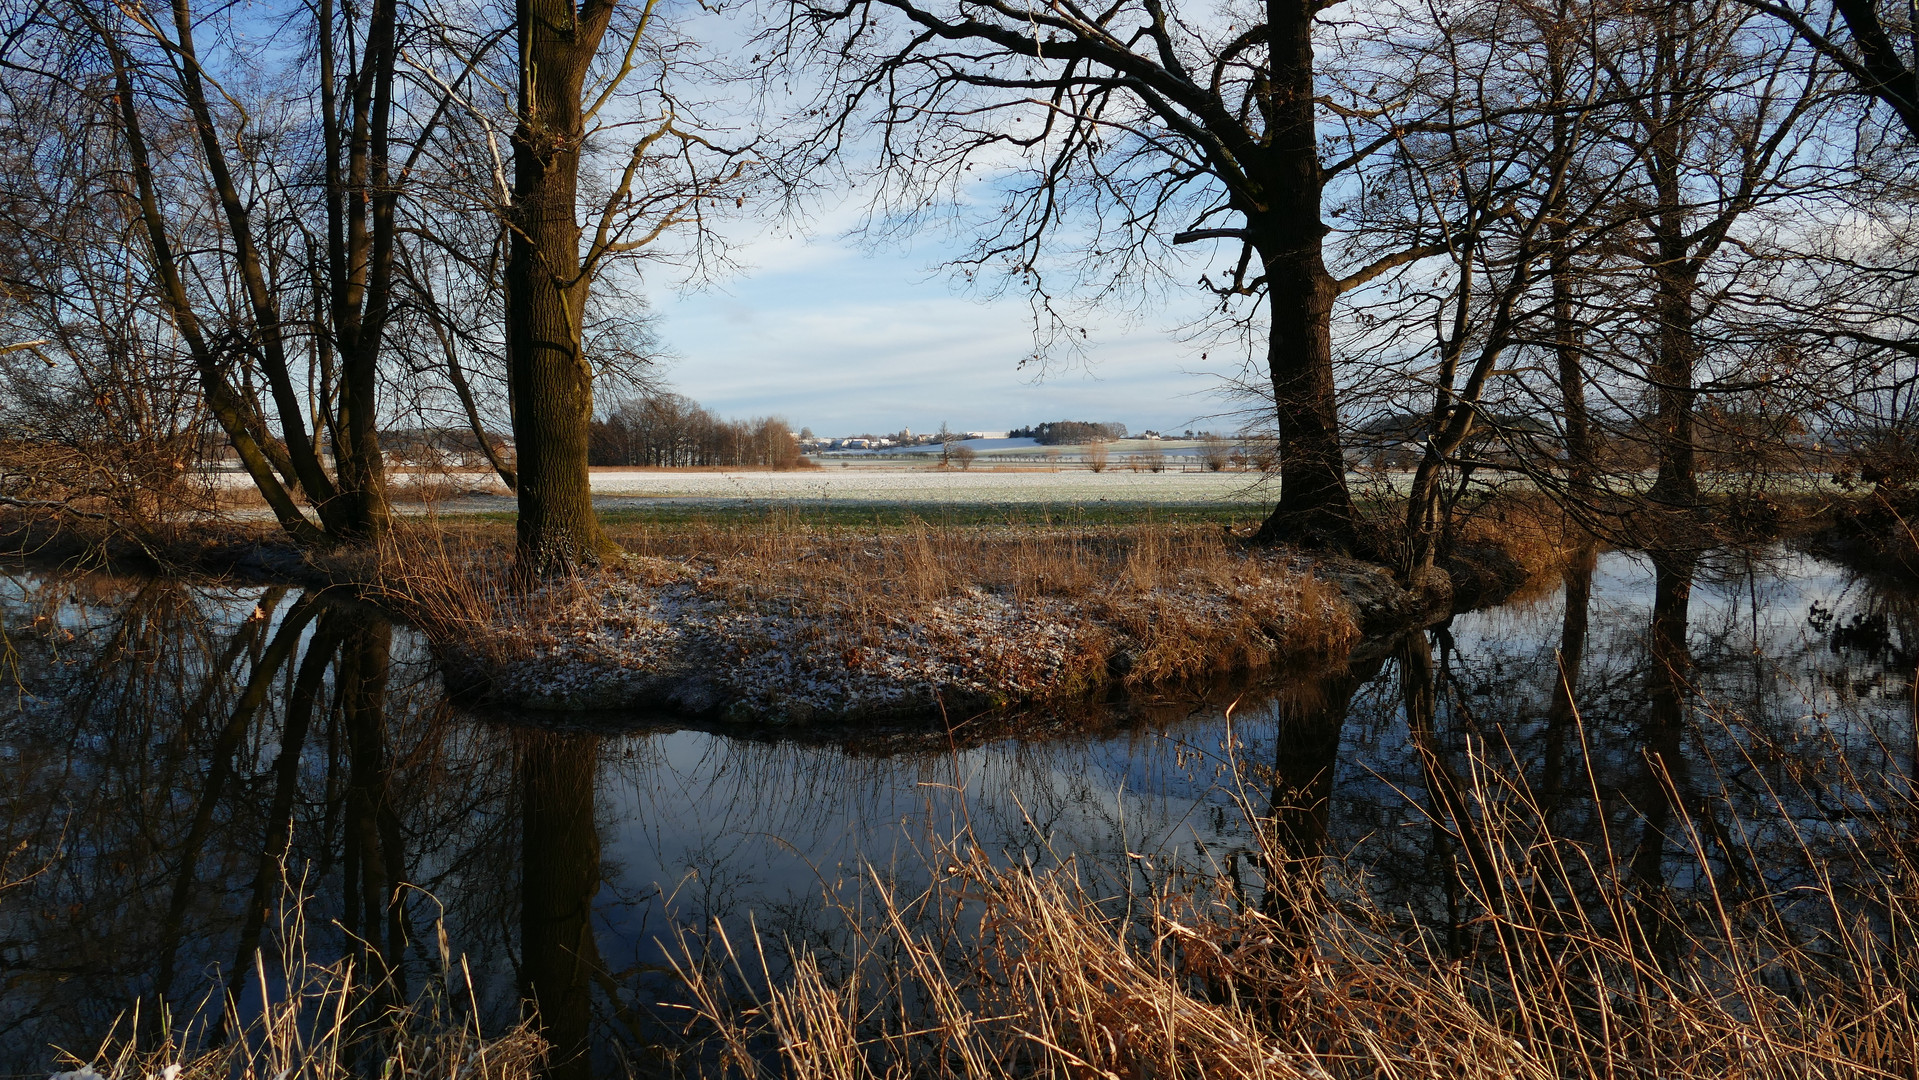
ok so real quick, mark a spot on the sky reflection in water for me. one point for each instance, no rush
(157, 737)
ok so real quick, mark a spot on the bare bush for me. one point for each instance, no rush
(1215, 452)
(1097, 455)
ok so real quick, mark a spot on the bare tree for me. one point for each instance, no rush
(1866, 51)
(97, 417)
(1139, 126)
(1097, 455)
(267, 222)
(1612, 184)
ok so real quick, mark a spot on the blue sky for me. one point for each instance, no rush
(842, 338)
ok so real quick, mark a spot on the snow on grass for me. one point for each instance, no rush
(929, 486)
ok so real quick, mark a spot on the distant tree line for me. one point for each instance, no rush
(669, 430)
(1069, 432)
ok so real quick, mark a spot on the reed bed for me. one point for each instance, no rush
(296, 1018)
(1742, 957)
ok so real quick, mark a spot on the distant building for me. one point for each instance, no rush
(984, 434)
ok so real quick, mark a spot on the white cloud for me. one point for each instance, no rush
(875, 342)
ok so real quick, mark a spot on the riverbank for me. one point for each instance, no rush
(787, 622)
(784, 617)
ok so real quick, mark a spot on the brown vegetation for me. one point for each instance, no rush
(1563, 960)
(329, 1024)
(1136, 576)
(1001, 614)
(1097, 454)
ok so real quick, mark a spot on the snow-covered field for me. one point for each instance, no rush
(930, 486)
(860, 485)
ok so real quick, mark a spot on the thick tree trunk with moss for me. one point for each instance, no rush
(551, 381)
(1315, 508)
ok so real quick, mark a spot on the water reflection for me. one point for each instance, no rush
(183, 757)
(560, 875)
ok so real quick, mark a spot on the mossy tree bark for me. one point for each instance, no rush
(546, 289)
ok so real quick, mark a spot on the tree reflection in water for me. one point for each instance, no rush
(184, 757)
(560, 873)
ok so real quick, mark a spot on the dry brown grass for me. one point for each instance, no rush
(1169, 602)
(1530, 529)
(456, 582)
(1569, 966)
(1194, 598)
(321, 1022)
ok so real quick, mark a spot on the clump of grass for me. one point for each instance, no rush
(458, 584)
(319, 1021)
(1564, 959)
(1192, 599)
(1530, 529)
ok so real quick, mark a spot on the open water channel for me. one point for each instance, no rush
(179, 758)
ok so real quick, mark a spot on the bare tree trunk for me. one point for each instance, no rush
(360, 205)
(1672, 374)
(551, 381)
(1315, 508)
(1561, 275)
(1572, 375)
(1675, 270)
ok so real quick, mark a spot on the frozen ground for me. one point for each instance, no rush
(857, 486)
(927, 486)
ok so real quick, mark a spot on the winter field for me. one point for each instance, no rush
(619, 488)
(848, 486)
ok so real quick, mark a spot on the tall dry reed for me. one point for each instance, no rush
(1565, 959)
(300, 1019)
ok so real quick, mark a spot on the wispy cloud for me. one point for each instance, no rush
(844, 340)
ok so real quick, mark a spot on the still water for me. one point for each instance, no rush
(185, 766)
